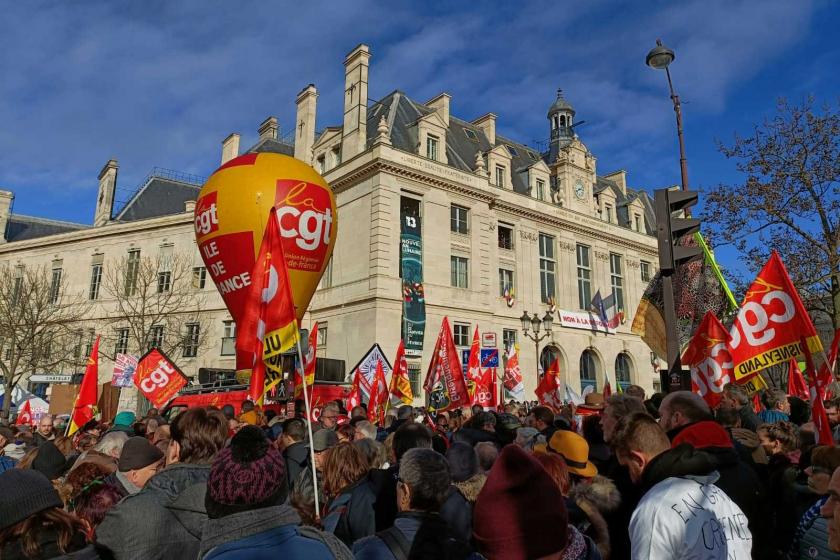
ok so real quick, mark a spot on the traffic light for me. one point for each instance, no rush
(671, 231)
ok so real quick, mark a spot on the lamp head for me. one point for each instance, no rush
(548, 320)
(526, 321)
(659, 56)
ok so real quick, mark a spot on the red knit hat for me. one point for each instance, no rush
(520, 513)
(703, 434)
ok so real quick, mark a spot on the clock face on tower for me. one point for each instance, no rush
(579, 190)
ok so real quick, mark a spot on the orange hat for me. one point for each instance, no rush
(574, 449)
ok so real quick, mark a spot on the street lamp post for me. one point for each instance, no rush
(534, 323)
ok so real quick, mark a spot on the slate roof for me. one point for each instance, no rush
(21, 228)
(159, 196)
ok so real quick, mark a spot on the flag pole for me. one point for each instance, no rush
(308, 425)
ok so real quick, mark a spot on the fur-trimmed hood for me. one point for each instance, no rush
(601, 493)
(471, 487)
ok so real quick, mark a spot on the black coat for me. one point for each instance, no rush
(350, 515)
(384, 486)
(457, 512)
(297, 459)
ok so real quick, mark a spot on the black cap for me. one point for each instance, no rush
(138, 453)
(50, 461)
(25, 492)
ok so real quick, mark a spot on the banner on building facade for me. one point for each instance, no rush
(158, 378)
(585, 321)
(411, 272)
(124, 367)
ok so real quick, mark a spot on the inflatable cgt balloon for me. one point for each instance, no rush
(230, 217)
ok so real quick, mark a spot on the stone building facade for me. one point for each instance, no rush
(505, 228)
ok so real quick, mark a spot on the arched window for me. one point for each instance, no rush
(622, 370)
(548, 355)
(562, 120)
(587, 370)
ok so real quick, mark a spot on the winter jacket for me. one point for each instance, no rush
(265, 534)
(48, 542)
(384, 485)
(164, 520)
(684, 515)
(407, 523)
(748, 418)
(297, 459)
(6, 463)
(811, 537)
(771, 416)
(457, 510)
(350, 515)
(784, 511)
(589, 504)
(618, 520)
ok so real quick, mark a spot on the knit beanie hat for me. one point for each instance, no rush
(49, 461)
(703, 434)
(124, 418)
(138, 453)
(520, 513)
(249, 474)
(463, 461)
(25, 492)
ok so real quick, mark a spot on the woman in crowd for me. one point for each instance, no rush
(373, 451)
(33, 524)
(87, 494)
(812, 532)
(349, 513)
(345, 433)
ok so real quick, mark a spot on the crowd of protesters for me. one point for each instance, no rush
(621, 477)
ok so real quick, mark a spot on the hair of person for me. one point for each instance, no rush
(112, 441)
(800, 410)
(404, 412)
(345, 464)
(27, 459)
(556, 468)
(331, 406)
(689, 404)
(832, 403)
(544, 414)
(487, 454)
(785, 433)
(92, 505)
(389, 448)
(61, 528)
(727, 417)
(591, 430)
(621, 404)
(411, 435)
(484, 418)
(294, 428)
(368, 429)
(826, 456)
(347, 431)
(635, 391)
(229, 411)
(64, 444)
(247, 406)
(200, 433)
(358, 412)
(426, 473)
(772, 398)
(79, 478)
(373, 450)
(736, 392)
(639, 432)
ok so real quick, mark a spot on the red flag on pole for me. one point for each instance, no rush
(85, 406)
(707, 354)
(400, 383)
(24, 415)
(445, 378)
(818, 415)
(269, 326)
(354, 397)
(378, 396)
(548, 390)
(474, 367)
(796, 383)
(607, 387)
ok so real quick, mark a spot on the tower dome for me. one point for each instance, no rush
(560, 105)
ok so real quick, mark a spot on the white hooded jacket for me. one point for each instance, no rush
(689, 518)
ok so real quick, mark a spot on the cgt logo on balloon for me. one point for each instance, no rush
(304, 215)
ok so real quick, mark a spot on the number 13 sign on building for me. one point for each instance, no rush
(158, 378)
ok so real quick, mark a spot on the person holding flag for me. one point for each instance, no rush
(84, 408)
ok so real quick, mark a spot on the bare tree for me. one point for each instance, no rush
(156, 304)
(38, 325)
(789, 201)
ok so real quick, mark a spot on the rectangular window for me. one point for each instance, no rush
(199, 277)
(644, 268)
(95, 279)
(505, 281)
(228, 338)
(164, 281)
(132, 269)
(461, 334)
(55, 282)
(617, 280)
(459, 219)
(121, 346)
(156, 336)
(18, 284)
(608, 213)
(191, 340)
(500, 175)
(505, 237)
(326, 278)
(89, 344)
(459, 272)
(431, 147)
(540, 189)
(637, 219)
(321, 163)
(322, 336)
(508, 339)
(336, 156)
(584, 275)
(548, 268)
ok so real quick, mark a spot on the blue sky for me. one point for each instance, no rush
(162, 83)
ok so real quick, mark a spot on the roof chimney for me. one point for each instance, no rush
(269, 129)
(6, 198)
(354, 133)
(307, 101)
(619, 178)
(105, 198)
(441, 106)
(487, 124)
(230, 147)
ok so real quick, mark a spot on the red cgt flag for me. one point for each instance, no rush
(400, 383)
(354, 397)
(548, 390)
(771, 323)
(707, 354)
(378, 396)
(269, 326)
(84, 408)
(445, 378)
(158, 378)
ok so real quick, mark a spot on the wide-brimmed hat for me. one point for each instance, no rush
(574, 450)
(594, 400)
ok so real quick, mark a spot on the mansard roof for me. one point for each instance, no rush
(21, 227)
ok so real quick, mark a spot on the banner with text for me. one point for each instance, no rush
(124, 367)
(411, 272)
(158, 378)
(585, 321)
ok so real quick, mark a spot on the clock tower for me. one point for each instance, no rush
(572, 165)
